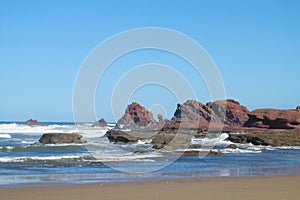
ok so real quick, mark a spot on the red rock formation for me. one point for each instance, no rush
(230, 111)
(136, 116)
(192, 110)
(298, 108)
(100, 123)
(274, 119)
(33, 122)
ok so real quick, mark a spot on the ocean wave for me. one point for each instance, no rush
(5, 136)
(219, 141)
(85, 158)
(42, 158)
(37, 148)
(25, 129)
(87, 131)
(130, 157)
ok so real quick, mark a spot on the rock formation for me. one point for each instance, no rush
(192, 110)
(121, 137)
(230, 111)
(274, 119)
(100, 123)
(60, 138)
(135, 117)
(32, 122)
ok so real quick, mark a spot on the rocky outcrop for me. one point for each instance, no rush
(61, 138)
(100, 123)
(274, 119)
(136, 117)
(268, 137)
(230, 111)
(32, 122)
(192, 110)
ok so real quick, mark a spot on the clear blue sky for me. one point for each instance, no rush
(255, 44)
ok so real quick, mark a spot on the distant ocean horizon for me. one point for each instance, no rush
(23, 160)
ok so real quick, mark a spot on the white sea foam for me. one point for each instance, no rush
(218, 141)
(24, 129)
(145, 141)
(229, 150)
(86, 130)
(100, 157)
(22, 159)
(5, 136)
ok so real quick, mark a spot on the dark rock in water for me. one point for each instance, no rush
(274, 119)
(135, 117)
(268, 137)
(232, 146)
(121, 137)
(247, 138)
(100, 123)
(199, 153)
(230, 111)
(60, 138)
(171, 141)
(33, 123)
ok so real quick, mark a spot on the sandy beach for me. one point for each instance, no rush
(264, 187)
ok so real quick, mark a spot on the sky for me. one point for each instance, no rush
(254, 44)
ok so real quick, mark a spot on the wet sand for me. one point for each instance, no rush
(262, 187)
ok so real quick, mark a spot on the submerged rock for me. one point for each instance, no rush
(60, 138)
(200, 153)
(32, 122)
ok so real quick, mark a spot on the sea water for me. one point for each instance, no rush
(23, 160)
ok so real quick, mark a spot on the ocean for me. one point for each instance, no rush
(24, 161)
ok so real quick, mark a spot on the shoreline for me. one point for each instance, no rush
(243, 187)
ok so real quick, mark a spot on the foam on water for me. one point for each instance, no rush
(217, 142)
(5, 136)
(24, 158)
(25, 129)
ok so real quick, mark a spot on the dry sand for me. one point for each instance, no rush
(241, 188)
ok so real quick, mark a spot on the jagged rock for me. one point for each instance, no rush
(192, 110)
(32, 122)
(60, 138)
(160, 119)
(135, 117)
(230, 111)
(274, 119)
(101, 123)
